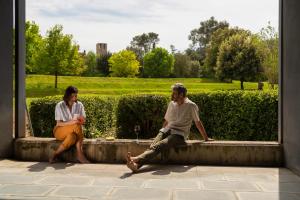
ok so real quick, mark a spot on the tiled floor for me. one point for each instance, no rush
(66, 181)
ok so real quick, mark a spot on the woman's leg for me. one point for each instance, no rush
(60, 149)
(65, 134)
(80, 155)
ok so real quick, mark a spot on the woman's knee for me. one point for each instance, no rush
(70, 140)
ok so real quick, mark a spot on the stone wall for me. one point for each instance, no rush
(195, 152)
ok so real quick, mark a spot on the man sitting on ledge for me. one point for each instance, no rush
(176, 127)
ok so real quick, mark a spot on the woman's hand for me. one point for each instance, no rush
(80, 120)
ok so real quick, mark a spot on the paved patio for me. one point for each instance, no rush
(66, 181)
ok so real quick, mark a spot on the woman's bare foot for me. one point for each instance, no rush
(52, 159)
(82, 159)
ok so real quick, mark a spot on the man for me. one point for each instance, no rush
(176, 127)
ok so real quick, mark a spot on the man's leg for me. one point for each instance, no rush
(160, 136)
(170, 141)
(132, 161)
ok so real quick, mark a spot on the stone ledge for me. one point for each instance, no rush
(242, 153)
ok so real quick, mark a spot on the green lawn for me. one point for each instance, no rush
(43, 85)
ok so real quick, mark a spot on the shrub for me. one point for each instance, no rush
(124, 64)
(226, 115)
(237, 115)
(100, 112)
(158, 63)
(147, 111)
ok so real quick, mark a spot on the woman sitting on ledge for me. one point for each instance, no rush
(69, 116)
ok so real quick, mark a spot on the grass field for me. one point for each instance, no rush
(43, 85)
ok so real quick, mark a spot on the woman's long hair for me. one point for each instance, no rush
(68, 94)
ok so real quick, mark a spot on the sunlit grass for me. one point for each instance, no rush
(43, 85)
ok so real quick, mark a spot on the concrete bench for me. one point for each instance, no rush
(241, 153)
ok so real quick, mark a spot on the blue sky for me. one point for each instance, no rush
(116, 22)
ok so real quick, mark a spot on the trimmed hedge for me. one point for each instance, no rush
(227, 115)
(100, 112)
(147, 111)
(239, 115)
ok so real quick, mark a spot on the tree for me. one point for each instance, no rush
(212, 50)
(200, 37)
(270, 64)
(158, 63)
(34, 43)
(185, 67)
(195, 69)
(173, 49)
(103, 64)
(124, 64)
(238, 59)
(90, 62)
(59, 55)
(142, 44)
(182, 67)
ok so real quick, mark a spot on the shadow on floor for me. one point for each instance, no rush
(159, 170)
(41, 166)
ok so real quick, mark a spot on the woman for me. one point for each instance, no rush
(69, 116)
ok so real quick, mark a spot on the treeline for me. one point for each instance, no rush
(217, 50)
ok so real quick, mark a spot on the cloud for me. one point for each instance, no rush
(116, 22)
(115, 11)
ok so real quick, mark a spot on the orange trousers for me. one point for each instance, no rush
(68, 134)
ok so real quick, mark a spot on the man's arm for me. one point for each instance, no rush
(201, 129)
(165, 123)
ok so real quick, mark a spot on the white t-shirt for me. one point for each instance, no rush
(180, 117)
(62, 112)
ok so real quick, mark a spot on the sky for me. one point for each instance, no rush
(116, 22)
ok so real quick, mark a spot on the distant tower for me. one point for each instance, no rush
(101, 48)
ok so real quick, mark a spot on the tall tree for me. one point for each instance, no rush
(34, 42)
(238, 59)
(212, 50)
(103, 64)
(182, 67)
(124, 64)
(200, 37)
(60, 55)
(158, 63)
(142, 44)
(90, 62)
(173, 49)
(270, 37)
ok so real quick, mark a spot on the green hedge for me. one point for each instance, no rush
(239, 115)
(100, 112)
(227, 115)
(147, 111)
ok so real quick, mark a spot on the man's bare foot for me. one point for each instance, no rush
(132, 163)
(133, 166)
(128, 157)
